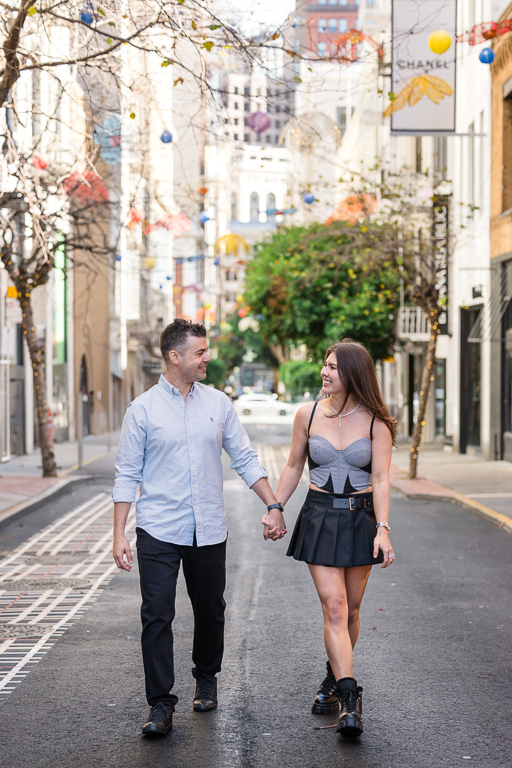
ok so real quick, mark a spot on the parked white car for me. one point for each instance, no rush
(256, 403)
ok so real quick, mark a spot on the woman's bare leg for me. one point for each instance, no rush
(356, 580)
(340, 591)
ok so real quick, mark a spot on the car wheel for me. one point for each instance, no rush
(246, 412)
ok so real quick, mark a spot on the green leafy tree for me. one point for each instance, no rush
(300, 376)
(235, 346)
(315, 285)
(216, 372)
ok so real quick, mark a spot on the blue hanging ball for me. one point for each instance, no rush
(166, 137)
(118, 257)
(203, 217)
(309, 198)
(86, 17)
(160, 287)
(168, 277)
(216, 262)
(486, 56)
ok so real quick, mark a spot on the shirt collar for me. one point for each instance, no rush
(171, 389)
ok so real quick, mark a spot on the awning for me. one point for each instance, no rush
(487, 326)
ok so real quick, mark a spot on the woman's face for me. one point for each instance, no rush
(330, 377)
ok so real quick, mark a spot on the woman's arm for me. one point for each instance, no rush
(292, 472)
(382, 446)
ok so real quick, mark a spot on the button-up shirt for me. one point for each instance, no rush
(172, 449)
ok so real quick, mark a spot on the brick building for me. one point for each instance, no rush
(499, 321)
(323, 21)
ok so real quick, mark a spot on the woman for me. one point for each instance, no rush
(342, 529)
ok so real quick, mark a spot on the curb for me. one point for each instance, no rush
(500, 520)
(24, 507)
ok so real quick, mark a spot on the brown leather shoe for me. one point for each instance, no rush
(350, 722)
(206, 694)
(159, 719)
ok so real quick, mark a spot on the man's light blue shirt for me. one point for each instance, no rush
(172, 449)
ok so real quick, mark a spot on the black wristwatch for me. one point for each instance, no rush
(276, 506)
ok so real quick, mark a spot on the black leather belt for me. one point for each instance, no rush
(364, 501)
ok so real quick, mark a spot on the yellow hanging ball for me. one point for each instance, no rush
(439, 41)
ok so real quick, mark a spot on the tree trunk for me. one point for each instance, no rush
(280, 352)
(427, 379)
(37, 357)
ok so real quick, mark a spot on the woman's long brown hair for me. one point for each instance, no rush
(357, 372)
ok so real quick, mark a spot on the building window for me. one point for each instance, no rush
(507, 155)
(357, 24)
(278, 123)
(246, 106)
(245, 121)
(333, 2)
(343, 24)
(322, 25)
(236, 89)
(296, 21)
(370, 3)
(234, 206)
(322, 2)
(321, 49)
(246, 137)
(269, 139)
(333, 25)
(236, 120)
(235, 136)
(271, 204)
(344, 2)
(255, 207)
(341, 119)
(440, 158)
(236, 105)
(247, 90)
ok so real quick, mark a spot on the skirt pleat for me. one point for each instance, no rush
(324, 535)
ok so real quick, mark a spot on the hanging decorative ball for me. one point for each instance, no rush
(202, 190)
(203, 217)
(216, 262)
(168, 277)
(39, 162)
(439, 41)
(166, 137)
(118, 257)
(258, 121)
(486, 56)
(309, 198)
(87, 14)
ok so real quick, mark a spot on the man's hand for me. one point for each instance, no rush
(274, 526)
(120, 550)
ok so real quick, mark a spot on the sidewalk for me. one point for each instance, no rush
(21, 484)
(484, 487)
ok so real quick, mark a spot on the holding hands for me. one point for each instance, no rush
(274, 526)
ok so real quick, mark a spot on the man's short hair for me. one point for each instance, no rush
(176, 334)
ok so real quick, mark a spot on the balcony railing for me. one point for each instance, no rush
(412, 324)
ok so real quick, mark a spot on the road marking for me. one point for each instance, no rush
(47, 603)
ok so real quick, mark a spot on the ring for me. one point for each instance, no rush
(392, 557)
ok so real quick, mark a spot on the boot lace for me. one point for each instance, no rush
(205, 689)
(349, 699)
(158, 710)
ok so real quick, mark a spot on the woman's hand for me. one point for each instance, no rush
(274, 526)
(383, 543)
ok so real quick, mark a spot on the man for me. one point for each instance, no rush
(171, 446)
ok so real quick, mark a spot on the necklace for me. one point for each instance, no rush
(341, 415)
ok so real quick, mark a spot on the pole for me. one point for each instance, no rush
(80, 429)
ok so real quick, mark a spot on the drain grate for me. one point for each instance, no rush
(16, 631)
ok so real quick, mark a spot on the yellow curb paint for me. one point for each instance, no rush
(502, 521)
(89, 461)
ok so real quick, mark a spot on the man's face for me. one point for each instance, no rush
(193, 359)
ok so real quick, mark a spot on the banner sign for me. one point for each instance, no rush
(423, 67)
(440, 234)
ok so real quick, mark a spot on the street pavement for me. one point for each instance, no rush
(433, 654)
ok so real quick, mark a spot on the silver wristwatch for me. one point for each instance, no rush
(383, 525)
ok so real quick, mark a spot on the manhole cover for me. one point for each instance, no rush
(41, 585)
(14, 631)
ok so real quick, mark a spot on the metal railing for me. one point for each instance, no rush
(412, 324)
(5, 412)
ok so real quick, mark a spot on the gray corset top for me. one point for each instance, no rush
(352, 462)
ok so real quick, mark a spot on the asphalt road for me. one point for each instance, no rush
(433, 658)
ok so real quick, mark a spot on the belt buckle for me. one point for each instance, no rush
(352, 509)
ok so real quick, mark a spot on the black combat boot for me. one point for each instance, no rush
(206, 694)
(327, 699)
(351, 702)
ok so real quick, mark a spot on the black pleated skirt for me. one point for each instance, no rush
(324, 535)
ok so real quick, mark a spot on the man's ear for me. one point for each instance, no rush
(174, 357)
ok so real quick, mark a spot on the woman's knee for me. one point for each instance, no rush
(335, 609)
(353, 615)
